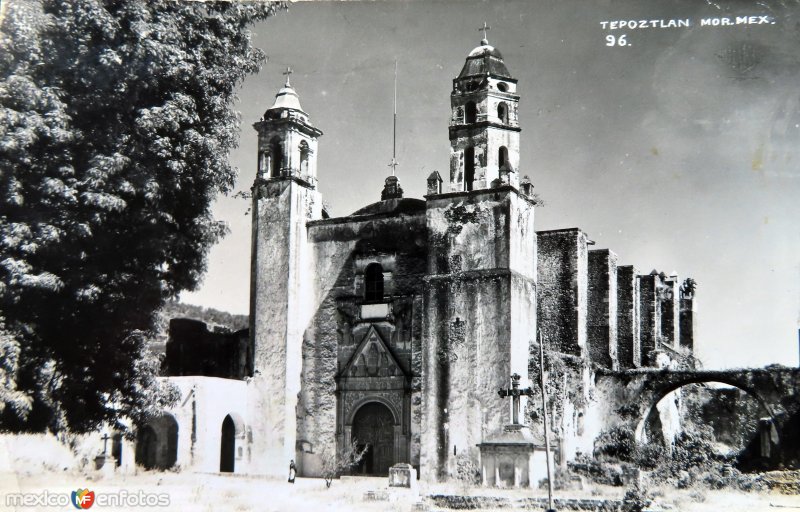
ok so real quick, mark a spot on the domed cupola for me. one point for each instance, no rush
(484, 125)
(484, 60)
(286, 98)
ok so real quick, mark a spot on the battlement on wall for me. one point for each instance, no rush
(590, 306)
(194, 349)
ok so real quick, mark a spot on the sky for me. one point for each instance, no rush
(679, 150)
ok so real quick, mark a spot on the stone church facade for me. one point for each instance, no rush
(394, 327)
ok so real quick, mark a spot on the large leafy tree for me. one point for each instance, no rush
(116, 120)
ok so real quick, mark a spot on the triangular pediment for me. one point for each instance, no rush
(372, 358)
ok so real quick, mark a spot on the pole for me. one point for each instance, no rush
(394, 120)
(546, 434)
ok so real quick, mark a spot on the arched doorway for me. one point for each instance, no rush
(157, 443)
(373, 428)
(146, 447)
(116, 449)
(227, 449)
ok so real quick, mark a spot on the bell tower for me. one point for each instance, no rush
(484, 126)
(287, 142)
(285, 199)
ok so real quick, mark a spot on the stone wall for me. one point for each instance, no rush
(563, 289)
(602, 308)
(204, 404)
(688, 321)
(193, 349)
(670, 311)
(479, 318)
(628, 304)
(394, 236)
(650, 317)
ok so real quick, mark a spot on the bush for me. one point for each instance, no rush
(467, 472)
(636, 499)
(650, 456)
(616, 443)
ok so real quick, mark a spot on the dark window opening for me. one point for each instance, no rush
(304, 151)
(502, 86)
(502, 113)
(373, 282)
(275, 157)
(469, 167)
(502, 157)
(471, 113)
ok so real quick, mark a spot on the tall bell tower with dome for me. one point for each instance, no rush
(285, 200)
(484, 124)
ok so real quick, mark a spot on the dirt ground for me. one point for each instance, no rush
(201, 492)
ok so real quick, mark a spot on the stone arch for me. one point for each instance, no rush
(659, 393)
(157, 442)
(378, 399)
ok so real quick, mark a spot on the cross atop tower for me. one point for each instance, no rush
(393, 164)
(288, 72)
(485, 29)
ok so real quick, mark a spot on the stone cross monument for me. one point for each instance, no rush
(515, 392)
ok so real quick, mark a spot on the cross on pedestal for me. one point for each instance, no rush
(105, 439)
(515, 392)
(288, 72)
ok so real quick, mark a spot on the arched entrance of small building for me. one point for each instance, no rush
(157, 443)
(227, 450)
(373, 429)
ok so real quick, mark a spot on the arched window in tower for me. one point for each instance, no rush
(263, 158)
(469, 167)
(502, 112)
(275, 157)
(502, 157)
(470, 112)
(373, 283)
(502, 86)
(304, 152)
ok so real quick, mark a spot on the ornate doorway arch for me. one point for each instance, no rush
(373, 428)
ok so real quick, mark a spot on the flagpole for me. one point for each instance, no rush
(394, 120)
(546, 433)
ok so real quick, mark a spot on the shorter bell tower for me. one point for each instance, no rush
(287, 142)
(484, 126)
